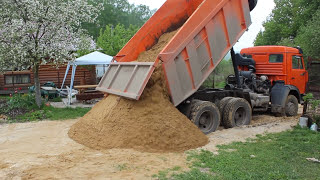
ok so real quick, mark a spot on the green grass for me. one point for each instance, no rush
(168, 172)
(57, 99)
(4, 97)
(122, 167)
(51, 113)
(274, 156)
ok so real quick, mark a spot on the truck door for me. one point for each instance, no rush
(298, 73)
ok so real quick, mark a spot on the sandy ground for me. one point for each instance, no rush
(44, 151)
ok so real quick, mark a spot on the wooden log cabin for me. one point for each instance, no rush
(10, 81)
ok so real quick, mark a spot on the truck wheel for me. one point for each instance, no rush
(223, 103)
(237, 112)
(292, 106)
(206, 116)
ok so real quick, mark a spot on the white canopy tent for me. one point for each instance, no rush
(95, 58)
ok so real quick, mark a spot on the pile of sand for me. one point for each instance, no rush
(151, 124)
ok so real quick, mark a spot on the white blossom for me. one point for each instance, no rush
(34, 32)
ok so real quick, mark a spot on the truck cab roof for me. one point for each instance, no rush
(269, 49)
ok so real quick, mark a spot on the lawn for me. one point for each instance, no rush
(274, 156)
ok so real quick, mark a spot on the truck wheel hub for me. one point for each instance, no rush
(205, 120)
(239, 116)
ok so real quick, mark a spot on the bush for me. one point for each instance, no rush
(17, 104)
(308, 98)
(22, 108)
(18, 101)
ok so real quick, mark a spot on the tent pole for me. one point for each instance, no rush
(74, 67)
(65, 75)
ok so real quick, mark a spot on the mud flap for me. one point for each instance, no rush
(279, 94)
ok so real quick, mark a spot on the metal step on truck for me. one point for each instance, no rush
(208, 29)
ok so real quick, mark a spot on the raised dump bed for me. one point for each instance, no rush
(208, 30)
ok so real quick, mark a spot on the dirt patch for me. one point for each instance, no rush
(44, 151)
(259, 125)
(258, 120)
(3, 166)
(151, 124)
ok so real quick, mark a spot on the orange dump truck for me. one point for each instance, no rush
(208, 29)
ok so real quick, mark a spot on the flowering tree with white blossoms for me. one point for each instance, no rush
(35, 32)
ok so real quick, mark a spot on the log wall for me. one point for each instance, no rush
(50, 73)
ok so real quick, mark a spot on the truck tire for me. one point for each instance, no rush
(237, 112)
(206, 116)
(223, 102)
(222, 105)
(292, 106)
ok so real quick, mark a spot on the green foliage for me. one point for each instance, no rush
(112, 39)
(309, 98)
(23, 108)
(219, 75)
(122, 167)
(51, 113)
(309, 36)
(4, 97)
(17, 105)
(37, 32)
(118, 12)
(288, 21)
(163, 175)
(286, 42)
(57, 99)
(274, 156)
(19, 101)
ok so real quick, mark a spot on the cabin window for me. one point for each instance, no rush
(297, 62)
(276, 58)
(247, 55)
(17, 79)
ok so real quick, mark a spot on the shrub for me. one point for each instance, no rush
(18, 101)
(309, 98)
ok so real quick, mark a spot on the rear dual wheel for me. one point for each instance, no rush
(205, 115)
(237, 112)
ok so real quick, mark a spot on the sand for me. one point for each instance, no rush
(43, 150)
(151, 124)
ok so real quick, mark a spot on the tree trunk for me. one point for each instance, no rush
(37, 85)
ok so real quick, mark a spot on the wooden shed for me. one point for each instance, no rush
(11, 81)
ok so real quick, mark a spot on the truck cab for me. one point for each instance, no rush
(279, 63)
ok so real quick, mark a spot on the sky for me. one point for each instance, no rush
(258, 16)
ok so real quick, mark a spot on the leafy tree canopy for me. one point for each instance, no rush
(288, 21)
(118, 12)
(36, 31)
(309, 37)
(112, 39)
